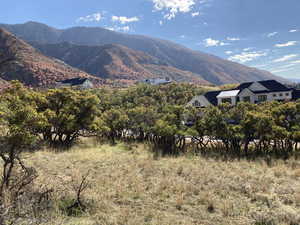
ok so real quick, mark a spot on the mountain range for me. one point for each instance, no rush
(20, 61)
(112, 55)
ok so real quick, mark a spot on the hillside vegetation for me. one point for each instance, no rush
(116, 62)
(125, 156)
(127, 186)
(20, 61)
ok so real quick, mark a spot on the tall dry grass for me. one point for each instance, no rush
(128, 186)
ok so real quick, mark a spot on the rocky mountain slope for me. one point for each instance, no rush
(20, 61)
(115, 62)
(208, 67)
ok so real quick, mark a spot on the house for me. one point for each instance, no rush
(157, 81)
(253, 92)
(79, 82)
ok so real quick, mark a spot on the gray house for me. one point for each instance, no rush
(80, 83)
(253, 92)
(157, 81)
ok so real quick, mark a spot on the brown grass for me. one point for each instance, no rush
(129, 187)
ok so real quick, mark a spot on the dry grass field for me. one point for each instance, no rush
(129, 187)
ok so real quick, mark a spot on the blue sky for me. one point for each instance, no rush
(259, 33)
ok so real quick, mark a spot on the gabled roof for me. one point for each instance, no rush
(230, 93)
(74, 81)
(271, 85)
(244, 85)
(211, 96)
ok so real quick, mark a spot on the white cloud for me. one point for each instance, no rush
(247, 49)
(195, 14)
(161, 23)
(247, 56)
(296, 62)
(229, 52)
(285, 58)
(280, 70)
(182, 36)
(290, 43)
(288, 65)
(272, 34)
(96, 17)
(233, 39)
(261, 66)
(121, 29)
(124, 19)
(293, 31)
(173, 7)
(209, 42)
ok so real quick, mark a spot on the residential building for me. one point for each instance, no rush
(157, 81)
(253, 92)
(79, 82)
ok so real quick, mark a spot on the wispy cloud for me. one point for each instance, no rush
(287, 44)
(280, 70)
(296, 62)
(247, 49)
(124, 19)
(96, 17)
(209, 42)
(195, 14)
(285, 58)
(229, 52)
(272, 34)
(119, 28)
(233, 39)
(247, 56)
(293, 31)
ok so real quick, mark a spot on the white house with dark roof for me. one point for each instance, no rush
(253, 92)
(79, 82)
(157, 81)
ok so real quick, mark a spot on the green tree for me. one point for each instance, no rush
(69, 114)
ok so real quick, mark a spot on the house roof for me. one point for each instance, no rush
(271, 85)
(74, 81)
(231, 93)
(211, 96)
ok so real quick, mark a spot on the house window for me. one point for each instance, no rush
(226, 100)
(274, 95)
(287, 94)
(262, 98)
(280, 94)
(246, 99)
(197, 103)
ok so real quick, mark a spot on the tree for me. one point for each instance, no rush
(115, 122)
(69, 114)
(18, 119)
(168, 132)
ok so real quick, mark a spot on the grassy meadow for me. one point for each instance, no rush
(127, 186)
